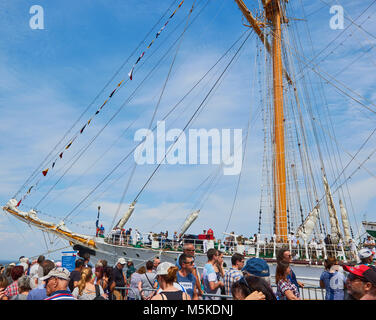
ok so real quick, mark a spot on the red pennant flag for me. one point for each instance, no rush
(45, 172)
(61, 155)
(18, 204)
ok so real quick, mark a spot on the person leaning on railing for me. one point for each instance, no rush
(286, 290)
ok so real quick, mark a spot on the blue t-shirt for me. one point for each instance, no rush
(334, 285)
(37, 294)
(209, 275)
(188, 283)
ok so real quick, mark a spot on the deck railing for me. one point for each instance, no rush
(262, 249)
(306, 293)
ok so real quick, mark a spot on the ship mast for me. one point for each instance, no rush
(275, 17)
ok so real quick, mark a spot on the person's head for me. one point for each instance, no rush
(248, 284)
(186, 262)
(79, 264)
(56, 280)
(366, 256)
(120, 263)
(257, 267)
(3, 282)
(282, 270)
(86, 257)
(24, 265)
(328, 263)
(8, 270)
(141, 270)
(220, 256)
(41, 259)
(107, 272)
(17, 272)
(237, 261)
(156, 263)
(212, 254)
(129, 263)
(189, 249)
(24, 284)
(103, 262)
(99, 272)
(284, 255)
(361, 281)
(149, 265)
(47, 266)
(166, 274)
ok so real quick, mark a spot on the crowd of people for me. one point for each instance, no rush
(44, 279)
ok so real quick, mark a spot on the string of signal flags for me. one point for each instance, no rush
(130, 76)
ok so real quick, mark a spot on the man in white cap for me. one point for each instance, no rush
(57, 284)
(118, 279)
(366, 256)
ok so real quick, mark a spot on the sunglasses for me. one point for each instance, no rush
(191, 262)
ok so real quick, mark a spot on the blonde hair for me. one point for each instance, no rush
(86, 276)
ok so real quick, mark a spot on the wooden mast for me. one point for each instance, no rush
(274, 16)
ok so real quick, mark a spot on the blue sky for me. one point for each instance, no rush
(50, 76)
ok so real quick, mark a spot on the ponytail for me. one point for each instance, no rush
(86, 275)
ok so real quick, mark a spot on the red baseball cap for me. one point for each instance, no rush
(363, 271)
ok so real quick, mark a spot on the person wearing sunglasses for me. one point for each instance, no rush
(57, 284)
(185, 276)
(361, 282)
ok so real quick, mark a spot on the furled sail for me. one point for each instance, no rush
(126, 216)
(334, 224)
(306, 228)
(188, 222)
(345, 222)
(59, 229)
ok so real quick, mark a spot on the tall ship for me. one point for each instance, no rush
(304, 199)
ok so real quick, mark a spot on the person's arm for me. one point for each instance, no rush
(290, 295)
(186, 296)
(198, 283)
(215, 285)
(322, 284)
(112, 286)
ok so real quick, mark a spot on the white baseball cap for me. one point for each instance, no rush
(121, 261)
(162, 268)
(365, 253)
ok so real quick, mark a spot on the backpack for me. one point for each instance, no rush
(98, 294)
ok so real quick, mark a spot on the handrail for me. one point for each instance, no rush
(261, 249)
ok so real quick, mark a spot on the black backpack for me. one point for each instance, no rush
(98, 294)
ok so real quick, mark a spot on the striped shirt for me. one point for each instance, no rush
(231, 276)
(61, 295)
